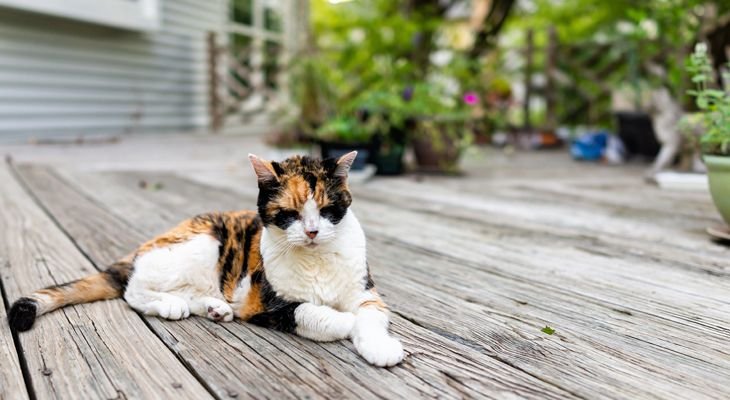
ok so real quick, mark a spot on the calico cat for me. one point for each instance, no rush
(297, 265)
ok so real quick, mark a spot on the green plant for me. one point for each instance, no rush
(714, 103)
(640, 43)
(343, 129)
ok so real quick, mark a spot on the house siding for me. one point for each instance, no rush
(63, 78)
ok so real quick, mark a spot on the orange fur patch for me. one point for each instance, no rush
(377, 302)
(91, 288)
(253, 304)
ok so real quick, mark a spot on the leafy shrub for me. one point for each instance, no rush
(714, 103)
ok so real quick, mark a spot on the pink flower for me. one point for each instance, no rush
(471, 98)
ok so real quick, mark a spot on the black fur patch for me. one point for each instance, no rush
(277, 168)
(330, 165)
(311, 180)
(333, 213)
(281, 319)
(268, 191)
(369, 282)
(284, 218)
(279, 313)
(251, 230)
(118, 275)
(22, 314)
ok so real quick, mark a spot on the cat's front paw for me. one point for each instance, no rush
(219, 310)
(381, 350)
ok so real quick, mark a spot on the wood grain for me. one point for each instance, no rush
(100, 350)
(630, 341)
(266, 363)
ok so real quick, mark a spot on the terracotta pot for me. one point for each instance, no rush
(437, 151)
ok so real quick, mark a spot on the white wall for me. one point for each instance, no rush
(60, 77)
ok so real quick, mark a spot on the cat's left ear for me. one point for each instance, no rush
(264, 169)
(344, 163)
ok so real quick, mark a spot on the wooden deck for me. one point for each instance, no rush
(473, 267)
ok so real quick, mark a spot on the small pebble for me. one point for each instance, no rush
(177, 385)
(46, 372)
(232, 394)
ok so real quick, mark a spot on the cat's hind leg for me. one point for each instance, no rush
(167, 279)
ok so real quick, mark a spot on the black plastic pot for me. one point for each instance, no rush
(389, 160)
(637, 133)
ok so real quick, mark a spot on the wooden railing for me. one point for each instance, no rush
(247, 65)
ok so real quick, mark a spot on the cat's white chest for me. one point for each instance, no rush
(328, 279)
(332, 275)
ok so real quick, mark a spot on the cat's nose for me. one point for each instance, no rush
(311, 234)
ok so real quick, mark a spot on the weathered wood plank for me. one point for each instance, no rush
(506, 317)
(435, 367)
(658, 230)
(696, 299)
(618, 364)
(104, 346)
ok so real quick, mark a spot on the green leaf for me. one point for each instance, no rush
(548, 330)
(702, 103)
(718, 94)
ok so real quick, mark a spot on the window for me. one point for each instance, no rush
(126, 14)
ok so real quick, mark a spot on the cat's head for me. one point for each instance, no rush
(302, 197)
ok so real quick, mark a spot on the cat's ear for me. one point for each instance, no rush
(264, 170)
(344, 163)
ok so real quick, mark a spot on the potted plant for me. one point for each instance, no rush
(389, 142)
(715, 142)
(382, 113)
(441, 134)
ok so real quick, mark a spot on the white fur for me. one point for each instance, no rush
(175, 281)
(310, 215)
(323, 323)
(371, 339)
(328, 275)
(296, 233)
(44, 302)
(240, 294)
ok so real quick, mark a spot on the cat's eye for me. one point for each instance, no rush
(326, 212)
(333, 213)
(294, 214)
(284, 218)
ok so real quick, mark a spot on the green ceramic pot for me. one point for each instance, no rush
(718, 171)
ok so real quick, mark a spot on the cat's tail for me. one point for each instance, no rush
(104, 285)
